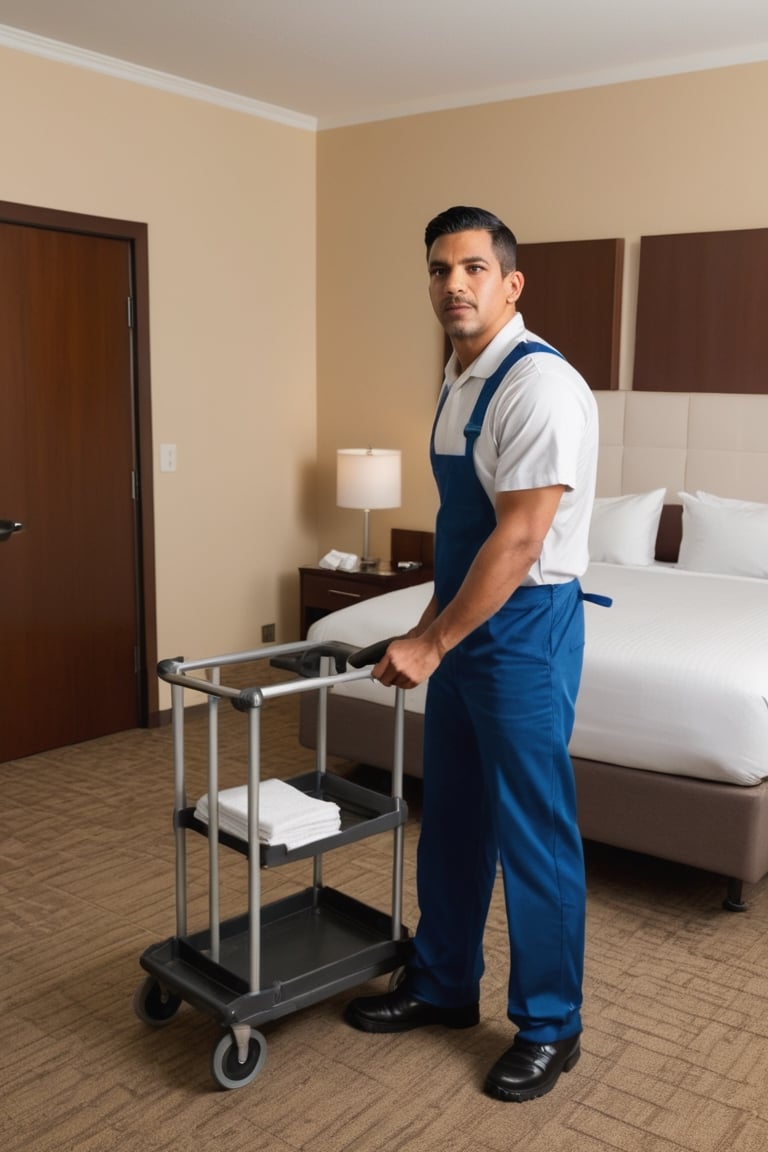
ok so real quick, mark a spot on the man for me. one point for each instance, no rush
(514, 451)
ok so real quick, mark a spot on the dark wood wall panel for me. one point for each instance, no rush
(572, 299)
(701, 312)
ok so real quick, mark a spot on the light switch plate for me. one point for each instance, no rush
(167, 457)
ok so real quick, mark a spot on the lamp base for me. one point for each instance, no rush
(368, 562)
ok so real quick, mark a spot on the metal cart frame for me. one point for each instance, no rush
(296, 951)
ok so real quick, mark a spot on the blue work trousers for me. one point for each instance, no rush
(499, 787)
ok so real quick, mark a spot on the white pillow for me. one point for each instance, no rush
(623, 528)
(726, 536)
(727, 501)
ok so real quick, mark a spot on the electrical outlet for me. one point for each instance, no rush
(267, 633)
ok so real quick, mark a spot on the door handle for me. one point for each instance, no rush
(8, 527)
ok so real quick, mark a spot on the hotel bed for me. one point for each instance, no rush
(670, 746)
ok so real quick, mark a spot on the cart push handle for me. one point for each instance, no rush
(308, 662)
(372, 654)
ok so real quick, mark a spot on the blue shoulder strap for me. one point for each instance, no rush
(524, 348)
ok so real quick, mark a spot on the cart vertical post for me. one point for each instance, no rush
(180, 803)
(214, 916)
(254, 859)
(397, 793)
(321, 761)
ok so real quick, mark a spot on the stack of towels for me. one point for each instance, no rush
(286, 815)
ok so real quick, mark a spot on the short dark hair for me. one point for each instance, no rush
(463, 219)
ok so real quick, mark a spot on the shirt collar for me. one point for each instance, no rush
(491, 356)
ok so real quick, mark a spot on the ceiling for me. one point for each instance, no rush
(327, 63)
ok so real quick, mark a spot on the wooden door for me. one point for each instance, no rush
(69, 601)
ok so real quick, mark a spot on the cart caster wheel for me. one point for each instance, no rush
(227, 1070)
(396, 978)
(154, 1004)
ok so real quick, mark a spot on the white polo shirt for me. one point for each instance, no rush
(541, 428)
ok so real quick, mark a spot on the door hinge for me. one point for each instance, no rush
(130, 311)
(134, 485)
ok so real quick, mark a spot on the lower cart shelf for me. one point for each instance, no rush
(313, 945)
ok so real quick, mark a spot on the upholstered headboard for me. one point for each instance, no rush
(683, 441)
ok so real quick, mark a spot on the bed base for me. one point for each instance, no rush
(720, 828)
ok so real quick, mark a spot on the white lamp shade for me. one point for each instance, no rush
(368, 478)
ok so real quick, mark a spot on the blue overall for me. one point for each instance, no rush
(498, 781)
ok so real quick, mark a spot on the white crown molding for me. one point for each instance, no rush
(111, 66)
(149, 77)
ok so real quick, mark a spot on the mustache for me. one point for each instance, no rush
(452, 301)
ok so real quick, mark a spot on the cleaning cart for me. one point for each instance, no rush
(273, 959)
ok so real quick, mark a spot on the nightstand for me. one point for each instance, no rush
(324, 590)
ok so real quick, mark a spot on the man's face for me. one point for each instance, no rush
(470, 296)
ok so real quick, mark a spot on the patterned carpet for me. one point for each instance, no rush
(675, 1048)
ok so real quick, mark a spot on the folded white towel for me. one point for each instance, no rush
(286, 814)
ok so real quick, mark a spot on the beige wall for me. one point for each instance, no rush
(230, 204)
(679, 154)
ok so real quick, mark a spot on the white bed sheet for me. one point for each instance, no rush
(675, 673)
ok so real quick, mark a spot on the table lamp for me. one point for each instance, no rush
(367, 478)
